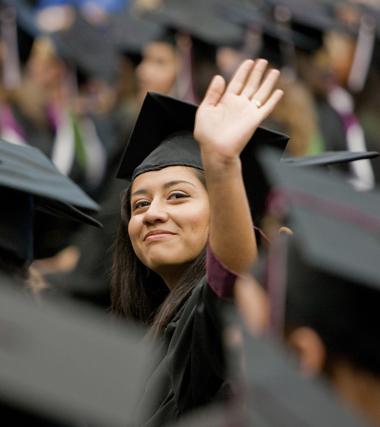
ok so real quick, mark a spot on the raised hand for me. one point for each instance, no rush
(227, 117)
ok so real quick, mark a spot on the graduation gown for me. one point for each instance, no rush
(191, 372)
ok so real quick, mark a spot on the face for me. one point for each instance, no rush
(158, 70)
(169, 222)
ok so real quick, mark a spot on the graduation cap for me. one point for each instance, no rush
(329, 158)
(29, 182)
(270, 392)
(67, 364)
(197, 19)
(331, 280)
(81, 44)
(280, 397)
(307, 21)
(163, 136)
(129, 32)
(199, 30)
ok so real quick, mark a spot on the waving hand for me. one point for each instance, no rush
(228, 117)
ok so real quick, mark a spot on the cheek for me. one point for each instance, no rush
(134, 228)
(200, 222)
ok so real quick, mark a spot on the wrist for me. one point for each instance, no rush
(220, 162)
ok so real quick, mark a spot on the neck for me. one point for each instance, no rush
(171, 275)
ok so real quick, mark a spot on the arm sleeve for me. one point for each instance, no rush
(219, 277)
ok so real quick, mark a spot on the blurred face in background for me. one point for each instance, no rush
(341, 49)
(158, 69)
(45, 68)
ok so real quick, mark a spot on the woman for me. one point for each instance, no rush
(174, 213)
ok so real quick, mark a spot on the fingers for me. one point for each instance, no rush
(239, 79)
(268, 107)
(214, 91)
(254, 79)
(266, 88)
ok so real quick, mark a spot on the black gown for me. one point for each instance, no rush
(192, 370)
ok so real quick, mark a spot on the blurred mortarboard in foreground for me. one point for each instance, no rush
(329, 158)
(67, 363)
(80, 43)
(333, 268)
(163, 136)
(280, 397)
(329, 206)
(273, 394)
(29, 181)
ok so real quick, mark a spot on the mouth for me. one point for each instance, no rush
(157, 235)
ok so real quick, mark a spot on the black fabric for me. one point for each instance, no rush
(16, 224)
(179, 149)
(192, 369)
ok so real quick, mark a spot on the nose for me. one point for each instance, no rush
(155, 213)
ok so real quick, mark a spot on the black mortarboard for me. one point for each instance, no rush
(329, 158)
(280, 397)
(328, 206)
(67, 363)
(269, 391)
(29, 181)
(332, 275)
(163, 136)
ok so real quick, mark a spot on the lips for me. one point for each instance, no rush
(156, 234)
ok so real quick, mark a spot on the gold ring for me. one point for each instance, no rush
(257, 102)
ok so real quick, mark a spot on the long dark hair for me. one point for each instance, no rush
(140, 294)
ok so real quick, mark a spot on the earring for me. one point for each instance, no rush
(147, 274)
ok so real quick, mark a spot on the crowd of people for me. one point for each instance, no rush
(206, 171)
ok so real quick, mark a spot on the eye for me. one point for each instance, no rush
(140, 204)
(178, 195)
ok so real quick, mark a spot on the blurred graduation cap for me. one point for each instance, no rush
(29, 182)
(284, 26)
(329, 158)
(163, 136)
(279, 396)
(81, 44)
(332, 257)
(197, 19)
(307, 21)
(129, 32)
(273, 393)
(67, 364)
(198, 31)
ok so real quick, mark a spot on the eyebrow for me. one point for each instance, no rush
(166, 186)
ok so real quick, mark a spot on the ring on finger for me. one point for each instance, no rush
(257, 102)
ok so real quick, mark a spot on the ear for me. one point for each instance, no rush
(310, 350)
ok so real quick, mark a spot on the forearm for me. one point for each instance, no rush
(232, 236)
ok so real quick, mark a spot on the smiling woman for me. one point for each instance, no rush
(169, 221)
(186, 231)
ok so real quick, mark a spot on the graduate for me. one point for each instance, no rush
(187, 230)
(322, 278)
